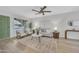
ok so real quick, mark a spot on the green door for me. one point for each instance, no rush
(4, 26)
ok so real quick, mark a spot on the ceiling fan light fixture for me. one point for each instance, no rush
(42, 11)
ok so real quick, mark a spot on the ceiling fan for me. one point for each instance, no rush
(42, 10)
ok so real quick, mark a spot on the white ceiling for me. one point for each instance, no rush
(26, 11)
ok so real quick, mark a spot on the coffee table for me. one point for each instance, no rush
(36, 36)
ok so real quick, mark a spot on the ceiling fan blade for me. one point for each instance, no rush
(47, 11)
(43, 8)
(35, 10)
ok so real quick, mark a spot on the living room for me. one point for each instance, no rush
(39, 29)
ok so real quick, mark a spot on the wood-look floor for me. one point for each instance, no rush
(47, 45)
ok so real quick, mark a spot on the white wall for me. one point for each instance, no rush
(12, 32)
(58, 20)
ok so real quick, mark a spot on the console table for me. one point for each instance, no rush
(70, 31)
